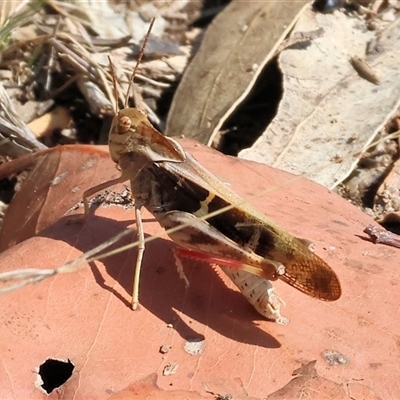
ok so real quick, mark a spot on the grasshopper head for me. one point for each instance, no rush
(124, 131)
(132, 132)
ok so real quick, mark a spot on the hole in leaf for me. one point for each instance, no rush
(54, 373)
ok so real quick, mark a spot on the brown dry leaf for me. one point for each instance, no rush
(236, 47)
(328, 112)
(85, 316)
(56, 183)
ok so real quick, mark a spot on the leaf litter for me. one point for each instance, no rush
(320, 80)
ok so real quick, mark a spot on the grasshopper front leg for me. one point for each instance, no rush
(95, 189)
(140, 232)
(141, 247)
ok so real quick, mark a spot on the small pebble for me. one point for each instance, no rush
(165, 348)
(170, 369)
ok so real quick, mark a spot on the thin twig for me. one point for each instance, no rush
(30, 276)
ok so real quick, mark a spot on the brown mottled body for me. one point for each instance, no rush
(207, 217)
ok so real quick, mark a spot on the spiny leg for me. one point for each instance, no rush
(257, 290)
(278, 267)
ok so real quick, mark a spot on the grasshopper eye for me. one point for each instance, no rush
(124, 124)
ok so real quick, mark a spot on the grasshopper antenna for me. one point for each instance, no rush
(146, 38)
(114, 79)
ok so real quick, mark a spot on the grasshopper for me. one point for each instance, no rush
(207, 220)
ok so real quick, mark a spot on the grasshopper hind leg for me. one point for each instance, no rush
(258, 291)
(200, 240)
